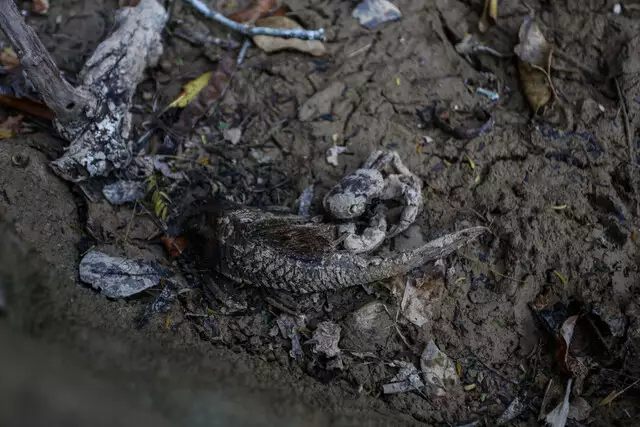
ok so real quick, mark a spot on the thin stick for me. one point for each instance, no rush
(627, 131)
(243, 51)
(249, 30)
(68, 103)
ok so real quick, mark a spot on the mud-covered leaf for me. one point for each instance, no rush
(121, 192)
(325, 339)
(438, 370)
(259, 9)
(10, 127)
(371, 13)
(515, 408)
(191, 90)
(407, 379)
(579, 409)
(534, 63)
(274, 44)
(8, 58)
(119, 277)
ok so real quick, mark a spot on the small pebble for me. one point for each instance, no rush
(147, 96)
(617, 8)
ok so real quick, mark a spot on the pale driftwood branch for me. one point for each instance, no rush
(100, 135)
(113, 73)
(67, 103)
(249, 30)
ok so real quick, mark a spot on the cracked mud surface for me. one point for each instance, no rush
(553, 203)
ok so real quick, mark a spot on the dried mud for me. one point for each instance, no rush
(554, 203)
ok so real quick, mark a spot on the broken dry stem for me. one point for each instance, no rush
(630, 144)
(69, 104)
(94, 116)
(249, 30)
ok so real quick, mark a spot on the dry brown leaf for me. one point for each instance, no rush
(273, 44)
(8, 58)
(40, 7)
(25, 105)
(258, 10)
(534, 64)
(10, 126)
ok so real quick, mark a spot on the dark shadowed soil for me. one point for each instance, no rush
(563, 208)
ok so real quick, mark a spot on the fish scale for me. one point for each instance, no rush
(229, 242)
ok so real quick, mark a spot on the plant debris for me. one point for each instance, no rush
(515, 408)
(534, 64)
(271, 44)
(462, 125)
(8, 58)
(332, 154)
(325, 339)
(407, 379)
(290, 327)
(258, 9)
(121, 192)
(438, 370)
(418, 299)
(233, 135)
(119, 277)
(372, 13)
(190, 91)
(489, 15)
(27, 106)
(558, 416)
(207, 96)
(10, 127)
(41, 7)
(304, 201)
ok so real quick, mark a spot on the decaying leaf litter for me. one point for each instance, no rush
(559, 197)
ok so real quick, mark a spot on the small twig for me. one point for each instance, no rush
(628, 131)
(202, 40)
(249, 30)
(243, 51)
(495, 371)
(395, 325)
(281, 307)
(68, 103)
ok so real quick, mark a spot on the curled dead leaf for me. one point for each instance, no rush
(273, 44)
(534, 65)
